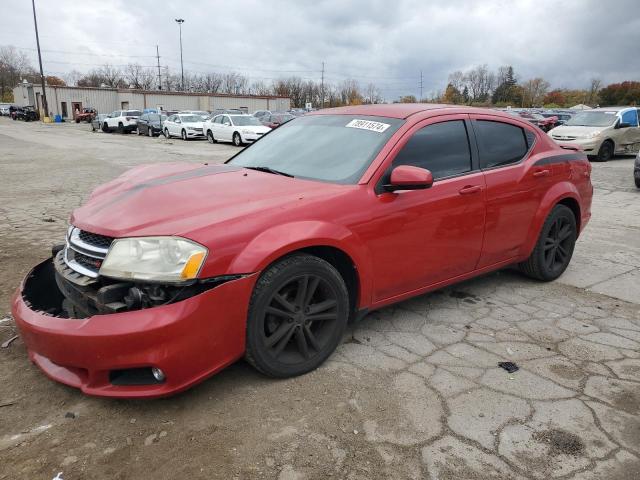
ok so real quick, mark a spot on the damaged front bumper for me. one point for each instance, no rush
(112, 354)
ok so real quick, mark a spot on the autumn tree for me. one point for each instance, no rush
(625, 93)
(534, 91)
(14, 65)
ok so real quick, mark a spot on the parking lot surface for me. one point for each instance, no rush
(414, 391)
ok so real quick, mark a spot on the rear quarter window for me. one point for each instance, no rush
(500, 143)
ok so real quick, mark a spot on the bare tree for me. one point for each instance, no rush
(372, 94)
(594, 88)
(14, 65)
(139, 77)
(480, 82)
(111, 76)
(534, 91)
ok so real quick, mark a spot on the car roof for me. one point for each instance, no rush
(608, 109)
(405, 110)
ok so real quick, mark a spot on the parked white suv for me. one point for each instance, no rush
(183, 125)
(602, 132)
(238, 129)
(124, 121)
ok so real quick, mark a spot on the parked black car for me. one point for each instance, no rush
(150, 124)
(27, 113)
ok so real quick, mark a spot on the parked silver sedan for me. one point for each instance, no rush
(98, 120)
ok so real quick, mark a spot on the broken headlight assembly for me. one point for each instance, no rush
(154, 259)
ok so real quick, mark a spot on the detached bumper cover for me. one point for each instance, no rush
(189, 340)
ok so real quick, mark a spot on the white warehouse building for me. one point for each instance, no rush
(65, 100)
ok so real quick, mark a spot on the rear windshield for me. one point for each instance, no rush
(245, 120)
(191, 118)
(330, 148)
(132, 113)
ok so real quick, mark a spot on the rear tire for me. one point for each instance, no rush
(297, 316)
(554, 248)
(637, 180)
(606, 151)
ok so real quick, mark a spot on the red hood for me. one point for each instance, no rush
(175, 199)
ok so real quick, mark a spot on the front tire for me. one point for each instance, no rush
(120, 128)
(184, 135)
(636, 178)
(237, 139)
(150, 132)
(105, 127)
(554, 248)
(167, 135)
(298, 313)
(606, 151)
(210, 137)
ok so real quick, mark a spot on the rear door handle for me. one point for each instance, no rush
(541, 173)
(469, 189)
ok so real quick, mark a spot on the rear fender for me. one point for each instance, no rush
(281, 240)
(554, 195)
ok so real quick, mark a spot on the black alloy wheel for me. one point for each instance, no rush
(297, 316)
(554, 248)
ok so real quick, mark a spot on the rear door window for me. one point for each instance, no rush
(500, 143)
(441, 148)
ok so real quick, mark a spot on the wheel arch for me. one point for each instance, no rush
(562, 193)
(333, 243)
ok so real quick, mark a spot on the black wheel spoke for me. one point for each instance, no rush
(280, 332)
(322, 306)
(548, 260)
(561, 253)
(301, 294)
(565, 232)
(288, 306)
(322, 316)
(313, 285)
(303, 348)
(278, 312)
(312, 338)
(283, 343)
(549, 243)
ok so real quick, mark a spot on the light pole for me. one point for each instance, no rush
(44, 93)
(180, 21)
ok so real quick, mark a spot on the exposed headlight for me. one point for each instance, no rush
(190, 128)
(592, 134)
(161, 259)
(246, 132)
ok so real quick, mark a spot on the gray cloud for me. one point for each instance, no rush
(383, 42)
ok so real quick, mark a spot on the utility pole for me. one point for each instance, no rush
(42, 82)
(322, 88)
(180, 21)
(420, 85)
(159, 76)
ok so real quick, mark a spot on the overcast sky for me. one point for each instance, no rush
(567, 42)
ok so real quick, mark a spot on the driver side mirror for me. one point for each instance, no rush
(408, 177)
(623, 125)
(227, 124)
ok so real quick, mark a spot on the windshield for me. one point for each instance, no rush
(242, 121)
(592, 119)
(191, 118)
(331, 148)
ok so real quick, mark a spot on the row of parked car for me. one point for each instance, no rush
(27, 114)
(228, 125)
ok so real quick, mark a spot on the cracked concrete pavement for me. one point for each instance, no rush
(414, 391)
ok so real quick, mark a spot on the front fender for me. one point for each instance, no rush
(281, 240)
(554, 195)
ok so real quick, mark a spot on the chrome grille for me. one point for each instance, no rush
(85, 251)
(563, 138)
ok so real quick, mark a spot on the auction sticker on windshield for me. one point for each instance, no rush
(368, 125)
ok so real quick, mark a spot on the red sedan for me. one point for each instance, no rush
(172, 272)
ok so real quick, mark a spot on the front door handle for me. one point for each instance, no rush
(469, 189)
(541, 173)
